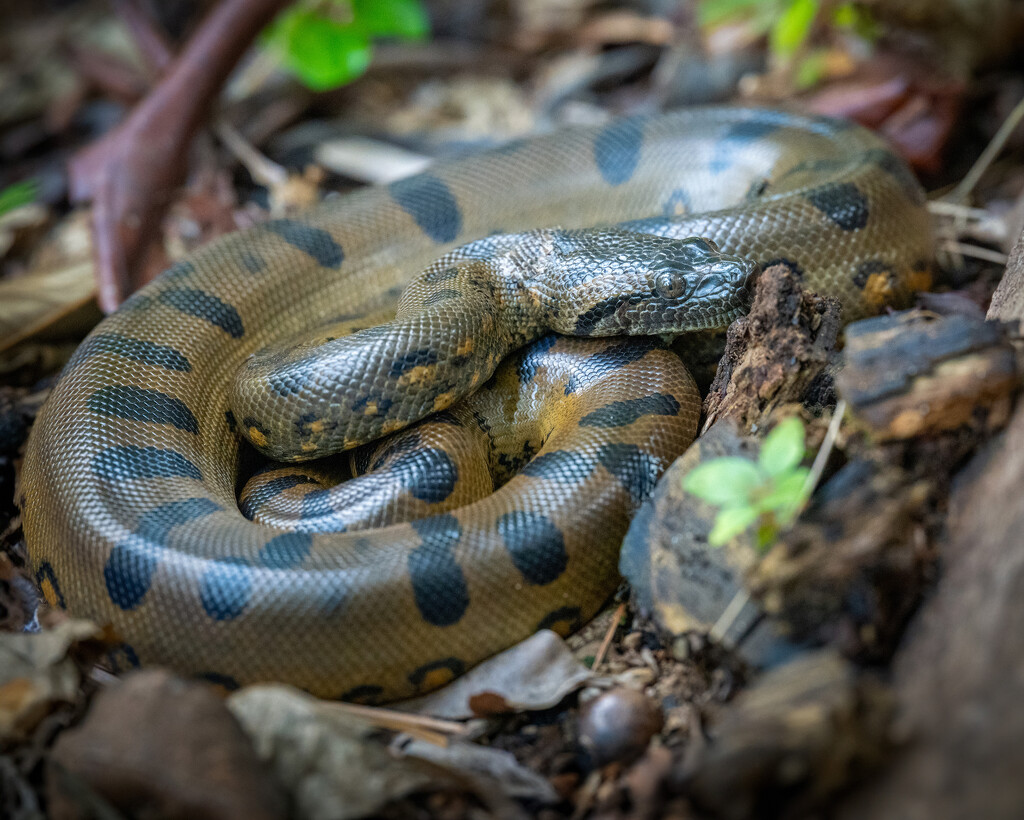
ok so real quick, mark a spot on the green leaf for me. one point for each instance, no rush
(811, 69)
(787, 494)
(712, 12)
(323, 53)
(730, 523)
(405, 19)
(18, 194)
(724, 482)
(793, 28)
(783, 447)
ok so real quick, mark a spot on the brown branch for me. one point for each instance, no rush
(131, 172)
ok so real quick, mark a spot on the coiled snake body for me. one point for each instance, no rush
(133, 510)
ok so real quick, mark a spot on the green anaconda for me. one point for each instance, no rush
(135, 507)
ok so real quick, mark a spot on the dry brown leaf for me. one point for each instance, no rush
(329, 761)
(534, 674)
(37, 672)
(486, 767)
(59, 282)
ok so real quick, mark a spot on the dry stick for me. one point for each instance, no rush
(975, 251)
(131, 172)
(607, 642)
(971, 178)
(433, 730)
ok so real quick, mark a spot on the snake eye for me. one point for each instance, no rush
(668, 285)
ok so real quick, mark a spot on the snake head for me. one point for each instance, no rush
(623, 282)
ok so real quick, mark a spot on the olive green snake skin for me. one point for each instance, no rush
(135, 504)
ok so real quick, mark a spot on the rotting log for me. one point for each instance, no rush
(959, 676)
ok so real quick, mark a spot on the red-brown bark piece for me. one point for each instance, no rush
(158, 746)
(131, 173)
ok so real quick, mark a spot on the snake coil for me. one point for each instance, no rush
(136, 464)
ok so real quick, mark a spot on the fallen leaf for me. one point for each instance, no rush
(333, 765)
(37, 671)
(485, 767)
(59, 282)
(535, 674)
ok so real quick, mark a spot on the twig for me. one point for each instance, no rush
(260, 167)
(729, 615)
(971, 178)
(607, 642)
(431, 729)
(974, 251)
(821, 458)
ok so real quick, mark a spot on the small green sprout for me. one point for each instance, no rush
(768, 493)
(327, 43)
(18, 194)
(789, 26)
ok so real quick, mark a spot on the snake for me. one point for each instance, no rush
(158, 496)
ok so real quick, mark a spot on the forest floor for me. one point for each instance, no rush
(862, 664)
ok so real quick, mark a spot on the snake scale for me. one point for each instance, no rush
(136, 508)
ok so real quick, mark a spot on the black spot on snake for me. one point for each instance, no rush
(428, 474)
(129, 569)
(381, 404)
(531, 358)
(126, 401)
(843, 203)
(178, 271)
(534, 544)
(251, 504)
(621, 413)
(207, 307)
(867, 269)
(225, 588)
(445, 417)
(564, 620)
(122, 658)
(127, 462)
(676, 204)
(437, 673)
(315, 242)
(414, 358)
(617, 149)
(563, 466)
(46, 580)
(635, 470)
(609, 360)
(438, 584)
(428, 200)
(737, 136)
(232, 423)
(138, 350)
(289, 549)
(219, 679)
(366, 694)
